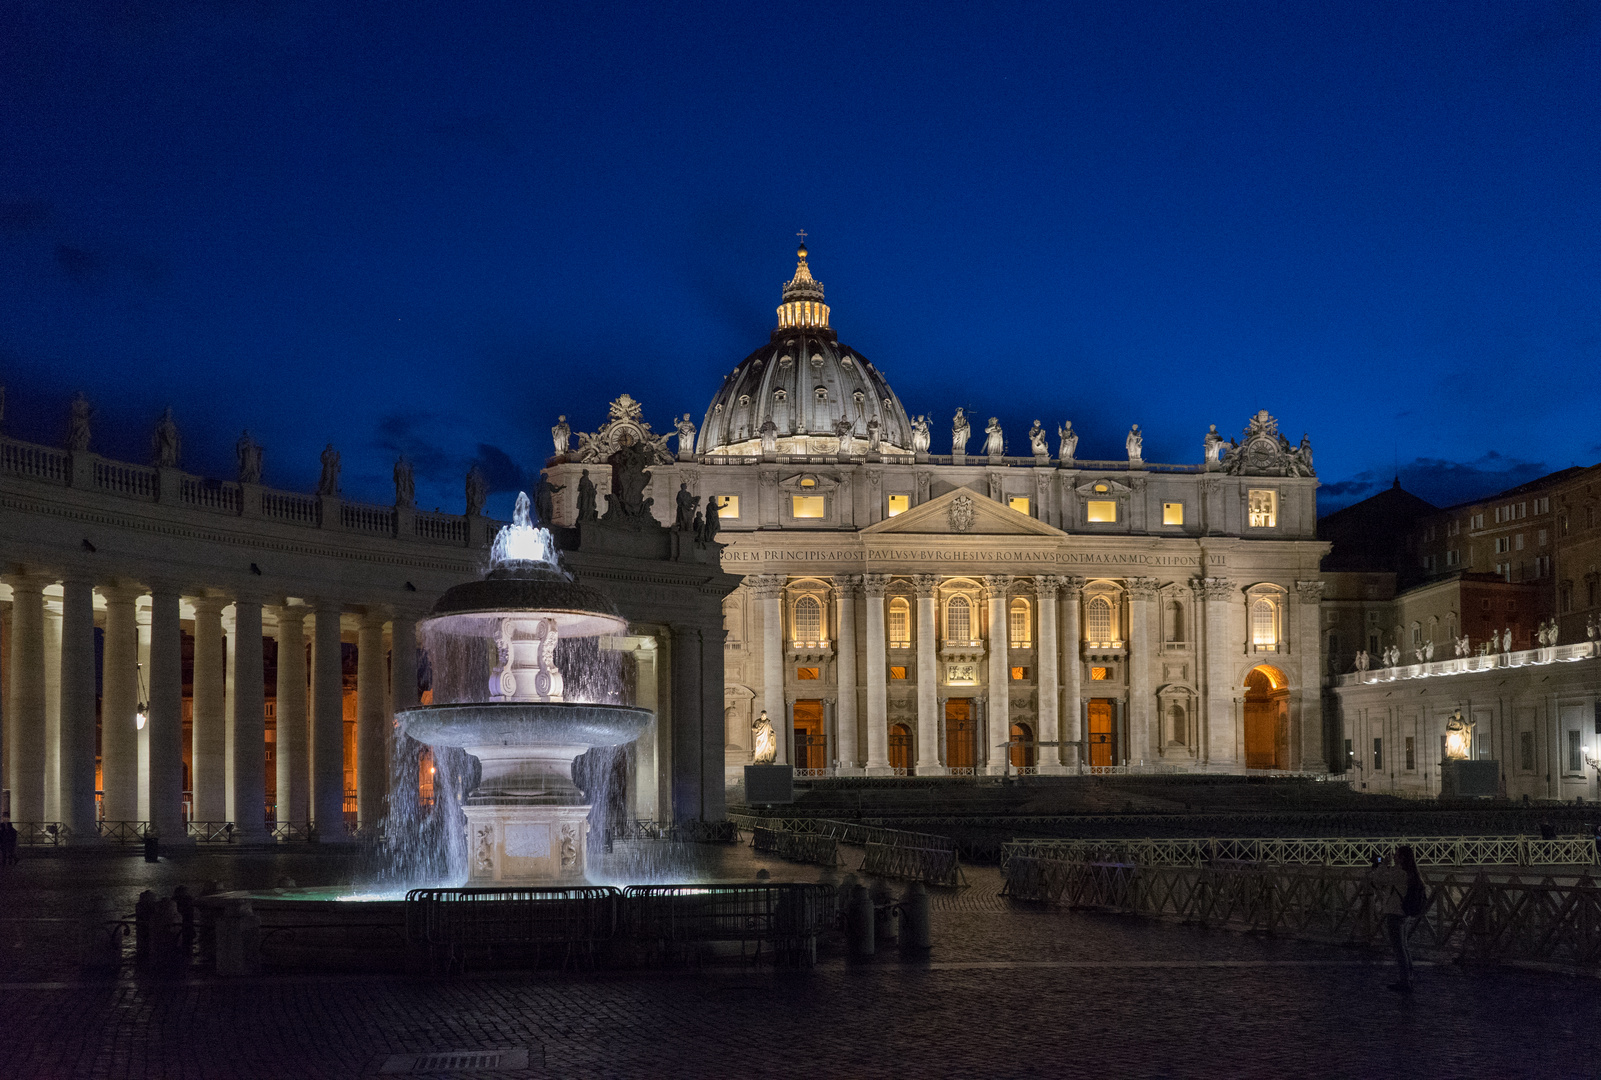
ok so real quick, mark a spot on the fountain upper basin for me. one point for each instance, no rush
(525, 723)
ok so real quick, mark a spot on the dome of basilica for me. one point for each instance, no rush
(804, 391)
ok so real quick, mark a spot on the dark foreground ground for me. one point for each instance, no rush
(1010, 990)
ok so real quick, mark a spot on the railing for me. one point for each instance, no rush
(934, 865)
(36, 462)
(212, 832)
(285, 830)
(42, 833)
(451, 929)
(441, 527)
(124, 832)
(889, 852)
(799, 847)
(674, 919)
(133, 481)
(813, 774)
(358, 517)
(213, 495)
(1316, 851)
(297, 509)
(1555, 654)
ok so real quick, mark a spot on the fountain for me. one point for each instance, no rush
(527, 822)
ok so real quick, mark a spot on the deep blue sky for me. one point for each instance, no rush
(432, 227)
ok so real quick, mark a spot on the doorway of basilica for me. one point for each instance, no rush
(961, 734)
(1103, 746)
(1023, 751)
(1267, 718)
(811, 743)
(900, 749)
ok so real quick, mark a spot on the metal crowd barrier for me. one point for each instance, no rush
(800, 847)
(788, 917)
(890, 852)
(937, 866)
(1316, 851)
(451, 929)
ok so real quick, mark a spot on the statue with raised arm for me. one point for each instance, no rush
(248, 454)
(405, 485)
(712, 523)
(165, 443)
(764, 741)
(1069, 441)
(545, 499)
(920, 436)
(78, 424)
(562, 436)
(1134, 443)
(1036, 441)
(686, 438)
(587, 503)
(961, 431)
(477, 491)
(328, 483)
(994, 441)
(687, 506)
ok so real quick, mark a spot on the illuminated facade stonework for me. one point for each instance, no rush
(906, 611)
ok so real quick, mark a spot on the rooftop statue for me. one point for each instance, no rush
(1036, 441)
(1214, 446)
(586, 499)
(687, 508)
(845, 430)
(165, 442)
(405, 485)
(961, 431)
(686, 437)
(1264, 452)
(994, 441)
(562, 436)
(1134, 443)
(920, 435)
(477, 491)
(875, 435)
(78, 424)
(248, 454)
(1069, 441)
(328, 483)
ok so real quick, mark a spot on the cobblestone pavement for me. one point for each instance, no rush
(1010, 990)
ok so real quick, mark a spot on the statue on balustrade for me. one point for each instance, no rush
(961, 431)
(846, 432)
(1036, 441)
(477, 491)
(688, 507)
(78, 424)
(1213, 445)
(875, 435)
(545, 499)
(764, 741)
(710, 527)
(561, 435)
(1361, 660)
(405, 486)
(769, 434)
(994, 441)
(328, 483)
(1590, 628)
(1134, 443)
(165, 442)
(686, 437)
(1069, 441)
(248, 454)
(586, 499)
(921, 440)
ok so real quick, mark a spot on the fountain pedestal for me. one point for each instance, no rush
(526, 845)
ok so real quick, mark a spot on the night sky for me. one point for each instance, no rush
(430, 228)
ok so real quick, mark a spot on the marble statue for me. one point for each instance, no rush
(328, 483)
(845, 430)
(545, 499)
(586, 499)
(920, 436)
(1428, 650)
(1590, 628)
(405, 484)
(1069, 441)
(697, 526)
(78, 424)
(1467, 648)
(561, 435)
(626, 503)
(687, 505)
(165, 442)
(764, 741)
(712, 524)
(1134, 442)
(686, 437)
(1361, 660)
(1036, 441)
(961, 431)
(1303, 454)
(1506, 640)
(994, 441)
(769, 436)
(875, 435)
(247, 452)
(477, 491)
(1213, 445)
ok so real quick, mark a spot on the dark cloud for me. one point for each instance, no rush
(398, 433)
(1442, 482)
(23, 215)
(500, 470)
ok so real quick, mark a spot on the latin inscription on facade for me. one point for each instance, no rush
(946, 555)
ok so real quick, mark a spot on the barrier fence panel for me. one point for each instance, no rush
(1349, 851)
(935, 866)
(672, 920)
(454, 928)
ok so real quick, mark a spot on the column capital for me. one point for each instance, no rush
(1143, 588)
(1046, 586)
(295, 613)
(121, 593)
(1212, 588)
(875, 584)
(847, 584)
(1311, 591)
(926, 584)
(374, 618)
(766, 586)
(28, 581)
(995, 585)
(1072, 587)
(208, 604)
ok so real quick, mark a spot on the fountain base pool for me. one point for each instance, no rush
(523, 845)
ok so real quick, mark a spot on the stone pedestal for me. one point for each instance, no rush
(526, 845)
(767, 785)
(1477, 778)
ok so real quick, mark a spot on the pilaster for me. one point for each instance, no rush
(998, 710)
(873, 586)
(846, 751)
(1142, 634)
(930, 719)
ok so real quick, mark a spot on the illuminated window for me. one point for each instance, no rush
(958, 620)
(1018, 503)
(897, 672)
(1172, 513)
(1264, 508)
(1102, 489)
(808, 482)
(808, 621)
(728, 506)
(1098, 674)
(1098, 621)
(899, 504)
(1264, 623)
(807, 506)
(1019, 674)
(1017, 626)
(1104, 510)
(806, 672)
(900, 623)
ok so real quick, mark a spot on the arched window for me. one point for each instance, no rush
(1264, 623)
(808, 621)
(1417, 634)
(958, 620)
(900, 623)
(1098, 621)
(1018, 627)
(1175, 621)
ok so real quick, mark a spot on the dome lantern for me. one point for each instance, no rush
(803, 306)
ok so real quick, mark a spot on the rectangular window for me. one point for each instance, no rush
(1526, 751)
(1263, 506)
(728, 506)
(1020, 674)
(1453, 557)
(1172, 513)
(900, 634)
(1542, 506)
(807, 506)
(1575, 752)
(1477, 522)
(1018, 503)
(1098, 674)
(897, 672)
(1100, 510)
(1411, 754)
(1503, 544)
(807, 672)
(1378, 755)
(1517, 542)
(899, 504)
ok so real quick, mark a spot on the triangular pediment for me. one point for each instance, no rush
(963, 512)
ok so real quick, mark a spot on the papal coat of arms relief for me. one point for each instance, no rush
(961, 513)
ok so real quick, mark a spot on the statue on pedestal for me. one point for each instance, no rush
(920, 436)
(875, 435)
(165, 442)
(561, 435)
(769, 436)
(1134, 443)
(686, 437)
(248, 454)
(405, 487)
(687, 509)
(961, 431)
(710, 527)
(78, 424)
(545, 499)
(994, 441)
(845, 430)
(1036, 441)
(328, 483)
(1361, 660)
(586, 499)
(764, 741)
(477, 491)
(1069, 441)
(1213, 447)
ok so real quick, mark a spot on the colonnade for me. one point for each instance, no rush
(50, 719)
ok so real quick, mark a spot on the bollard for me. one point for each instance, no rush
(186, 912)
(238, 939)
(144, 916)
(917, 931)
(100, 941)
(167, 950)
(152, 848)
(859, 921)
(886, 920)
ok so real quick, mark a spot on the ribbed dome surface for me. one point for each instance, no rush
(805, 382)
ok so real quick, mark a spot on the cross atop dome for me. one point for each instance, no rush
(803, 296)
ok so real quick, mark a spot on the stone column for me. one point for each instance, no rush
(372, 721)
(403, 695)
(291, 745)
(230, 648)
(1143, 633)
(166, 716)
(1049, 758)
(873, 585)
(845, 661)
(1313, 745)
(208, 733)
(25, 712)
(142, 617)
(77, 799)
(51, 777)
(689, 779)
(999, 697)
(247, 696)
(769, 590)
(327, 726)
(1072, 668)
(930, 720)
(119, 733)
(1217, 741)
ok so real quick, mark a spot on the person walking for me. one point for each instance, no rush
(8, 842)
(1403, 897)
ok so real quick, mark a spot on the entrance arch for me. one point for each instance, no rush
(1267, 718)
(1023, 753)
(900, 749)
